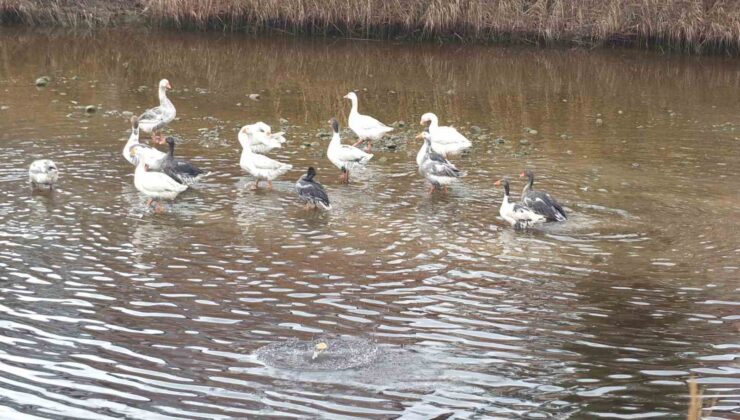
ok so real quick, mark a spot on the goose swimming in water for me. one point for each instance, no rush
(178, 169)
(343, 156)
(445, 140)
(311, 192)
(435, 168)
(154, 119)
(518, 215)
(43, 173)
(261, 167)
(541, 202)
(153, 184)
(263, 143)
(364, 126)
(149, 154)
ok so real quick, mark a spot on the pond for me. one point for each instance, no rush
(109, 310)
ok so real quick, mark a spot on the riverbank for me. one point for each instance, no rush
(697, 26)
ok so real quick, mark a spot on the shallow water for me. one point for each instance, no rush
(108, 310)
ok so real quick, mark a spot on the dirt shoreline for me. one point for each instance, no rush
(692, 26)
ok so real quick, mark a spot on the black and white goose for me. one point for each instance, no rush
(518, 215)
(178, 169)
(311, 192)
(435, 168)
(541, 202)
(343, 156)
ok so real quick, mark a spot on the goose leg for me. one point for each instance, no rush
(159, 208)
(269, 185)
(256, 185)
(358, 142)
(149, 202)
(369, 146)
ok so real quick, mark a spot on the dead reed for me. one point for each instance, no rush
(687, 25)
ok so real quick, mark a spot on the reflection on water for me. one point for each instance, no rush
(108, 310)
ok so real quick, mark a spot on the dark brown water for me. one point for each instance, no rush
(108, 310)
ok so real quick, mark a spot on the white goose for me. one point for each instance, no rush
(343, 156)
(155, 185)
(148, 154)
(154, 119)
(435, 168)
(445, 140)
(262, 168)
(364, 126)
(518, 215)
(43, 173)
(262, 143)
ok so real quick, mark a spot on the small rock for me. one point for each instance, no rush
(620, 112)
(383, 159)
(127, 114)
(450, 92)
(599, 121)
(484, 137)
(238, 104)
(524, 141)
(283, 121)
(635, 165)
(475, 129)
(565, 100)
(391, 147)
(598, 115)
(532, 132)
(4, 107)
(90, 109)
(563, 136)
(315, 144)
(43, 81)
(307, 144)
(323, 135)
(500, 140)
(400, 124)
(75, 77)
(392, 92)
(254, 96)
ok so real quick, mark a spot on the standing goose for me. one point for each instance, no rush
(43, 173)
(261, 167)
(435, 168)
(180, 170)
(518, 215)
(153, 184)
(154, 119)
(445, 140)
(311, 192)
(364, 126)
(262, 143)
(343, 156)
(541, 202)
(144, 152)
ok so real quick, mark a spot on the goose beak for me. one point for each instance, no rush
(419, 136)
(346, 96)
(521, 174)
(497, 183)
(168, 86)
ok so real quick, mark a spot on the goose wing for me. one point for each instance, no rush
(448, 135)
(367, 123)
(263, 162)
(311, 190)
(349, 153)
(542, 203)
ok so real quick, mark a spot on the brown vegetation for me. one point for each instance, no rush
(690, 25)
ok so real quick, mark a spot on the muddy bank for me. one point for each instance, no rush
(685, 25)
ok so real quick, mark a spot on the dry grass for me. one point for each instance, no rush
(689, 25)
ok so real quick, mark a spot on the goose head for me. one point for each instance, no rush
(428, 118)
(351, 96)
(164, 84)
(334, 125)
(505, 183)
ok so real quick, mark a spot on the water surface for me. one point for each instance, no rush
(108, 310)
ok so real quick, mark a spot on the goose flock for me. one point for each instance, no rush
(162, 176)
